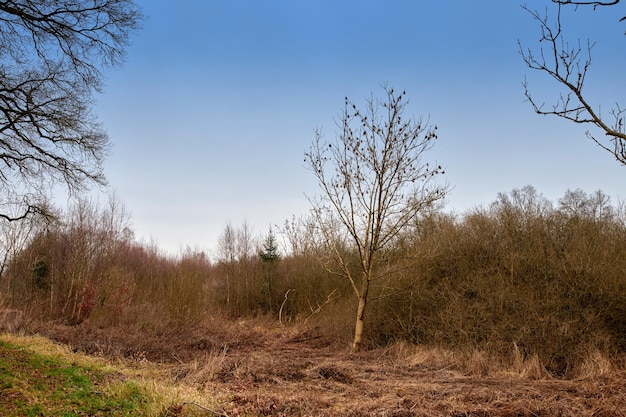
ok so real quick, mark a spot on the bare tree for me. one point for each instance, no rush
(52, 57)
(17, 235)
(373, 183)
(227, 244)
(235, 252)
(568, 64)
(595, 206)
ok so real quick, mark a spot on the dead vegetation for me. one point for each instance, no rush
(256, 368)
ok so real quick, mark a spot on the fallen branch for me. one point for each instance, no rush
(304, 339)
(217, 413)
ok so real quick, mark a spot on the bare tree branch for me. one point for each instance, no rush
(52, 55)
(587, 3)
(568, 64)
(30, 209)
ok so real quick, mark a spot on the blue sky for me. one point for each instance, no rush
(218, 100)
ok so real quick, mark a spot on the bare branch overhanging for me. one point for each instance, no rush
(569, 65)
(52, 57)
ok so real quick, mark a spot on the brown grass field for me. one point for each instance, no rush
(255, 368)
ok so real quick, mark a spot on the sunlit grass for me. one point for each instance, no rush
(38, 377)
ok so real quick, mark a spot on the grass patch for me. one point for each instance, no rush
(34, 384)
(41, 378)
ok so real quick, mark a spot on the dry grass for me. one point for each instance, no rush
(257, 368)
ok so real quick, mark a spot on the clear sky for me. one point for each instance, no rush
(219, 99)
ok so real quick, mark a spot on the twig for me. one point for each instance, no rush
(305, 339)
(217, 413)
(329, 299)
(445, 368)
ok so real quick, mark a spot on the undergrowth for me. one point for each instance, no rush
(523, 279)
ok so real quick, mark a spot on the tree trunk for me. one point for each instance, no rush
(360, 314)
(358, 328)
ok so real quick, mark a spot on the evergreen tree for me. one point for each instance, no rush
(270, 256)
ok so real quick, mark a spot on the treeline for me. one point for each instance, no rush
(86, 265)
(521, 276)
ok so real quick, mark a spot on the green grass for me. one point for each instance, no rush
(34, 384)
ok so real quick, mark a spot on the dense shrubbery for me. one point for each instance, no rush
(519, 276)
(523, 276)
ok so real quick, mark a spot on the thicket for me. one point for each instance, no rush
(522, 277)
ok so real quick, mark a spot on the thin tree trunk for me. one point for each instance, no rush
(360, 315)
(358, 328)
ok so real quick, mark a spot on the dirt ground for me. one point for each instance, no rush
(251, 370)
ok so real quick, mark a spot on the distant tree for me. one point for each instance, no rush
(374, 183)
(523, 204)
(245, 265)
(595, 206)
(227, 252)
(270, 252)
(52, 55)
(568, 64)
(235, 253)
(270, 256)
(17, 235)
